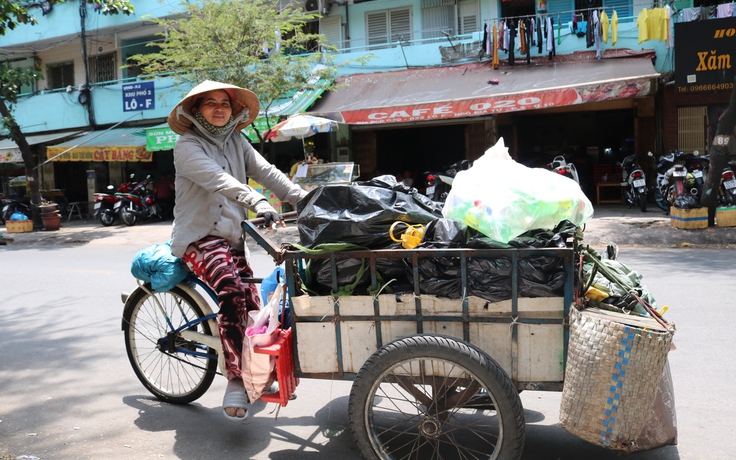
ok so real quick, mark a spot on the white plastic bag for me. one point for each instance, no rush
(262, 331)
(503, 199)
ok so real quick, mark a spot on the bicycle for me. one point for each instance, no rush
(423, 374)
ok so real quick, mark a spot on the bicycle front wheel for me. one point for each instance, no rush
(164, 361)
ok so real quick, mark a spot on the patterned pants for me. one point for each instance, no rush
(220, 267)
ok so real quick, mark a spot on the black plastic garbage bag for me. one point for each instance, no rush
(490, 278)
(687, 202)
(361, 213)
(353, 275)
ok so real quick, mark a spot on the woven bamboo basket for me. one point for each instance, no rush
(611, 378)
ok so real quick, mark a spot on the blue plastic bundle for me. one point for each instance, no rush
(158, 266)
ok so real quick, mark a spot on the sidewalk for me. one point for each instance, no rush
(611, 223)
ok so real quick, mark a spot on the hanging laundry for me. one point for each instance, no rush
(494, 61)
(725, 10)
(670, 27)
(589, 33)
(657, 23)
(708, 12)
(614, 28)
(642, 22)
(597, 34)
(550, 32)
(486, 40)
(574, 23)
(539, 35)
(691, 14)
(511, 25)
(604, 27)
(522, 37)
(529, 32)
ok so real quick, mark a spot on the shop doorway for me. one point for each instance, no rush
(416, 150)
(585, 138)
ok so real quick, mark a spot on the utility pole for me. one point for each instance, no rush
(85, 95)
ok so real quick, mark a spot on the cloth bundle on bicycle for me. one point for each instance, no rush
(158, 266)
(361, 213)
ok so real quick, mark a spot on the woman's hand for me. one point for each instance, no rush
(264, 209)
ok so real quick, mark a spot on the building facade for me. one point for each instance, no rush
(429, 95)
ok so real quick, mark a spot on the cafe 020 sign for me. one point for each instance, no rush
(705, 55)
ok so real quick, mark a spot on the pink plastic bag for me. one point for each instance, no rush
(262, 331)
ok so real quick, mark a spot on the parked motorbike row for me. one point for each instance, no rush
(11, 205)
(129, 203)
(680, 180)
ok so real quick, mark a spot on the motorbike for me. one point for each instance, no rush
(105, 202)
(674, 183)
(697, 166)
(440, 183)
(138, 204)
(12, 204)
(727, 189)
(561, 166)
(635, 182)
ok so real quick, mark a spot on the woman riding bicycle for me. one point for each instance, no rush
(213, 161)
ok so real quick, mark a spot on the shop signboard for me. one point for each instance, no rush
(106, 153)
(139, 96)
(488, 105)
(705, 55)
(158, 139)
(11, 155)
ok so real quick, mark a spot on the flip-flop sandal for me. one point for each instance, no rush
(235, 397)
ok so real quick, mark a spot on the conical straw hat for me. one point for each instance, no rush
(239, 97)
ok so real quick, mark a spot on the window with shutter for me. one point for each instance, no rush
(400, 24)
(437, 17)
(388, 26)
(103, 68)
(467, 17)
(332, 30)
(623, 8)
(377, 27)
(60, 75)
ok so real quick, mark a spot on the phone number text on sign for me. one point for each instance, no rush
(139, 96)
(464, 108)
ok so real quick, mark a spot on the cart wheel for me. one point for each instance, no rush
(173, 377)
(435, 397)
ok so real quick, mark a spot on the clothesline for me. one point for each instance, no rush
(545, 13)
(574, 11)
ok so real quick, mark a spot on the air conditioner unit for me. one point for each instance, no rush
(311, 6)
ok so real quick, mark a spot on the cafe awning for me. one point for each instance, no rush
(473, 90)
(10, 152)
(116, 144)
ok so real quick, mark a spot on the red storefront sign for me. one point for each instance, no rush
(489, 105)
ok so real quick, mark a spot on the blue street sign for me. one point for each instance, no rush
(138, 96)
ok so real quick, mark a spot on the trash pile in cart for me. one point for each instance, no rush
(498, 203)
(617, 390)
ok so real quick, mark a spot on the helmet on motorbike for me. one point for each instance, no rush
(690, 180)
(149, 200)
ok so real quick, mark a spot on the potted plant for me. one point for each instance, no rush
(50, 215)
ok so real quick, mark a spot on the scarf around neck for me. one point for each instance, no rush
(212, 129)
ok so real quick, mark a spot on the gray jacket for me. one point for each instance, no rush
(211, 191)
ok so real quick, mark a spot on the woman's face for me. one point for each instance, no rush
(215, 107)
